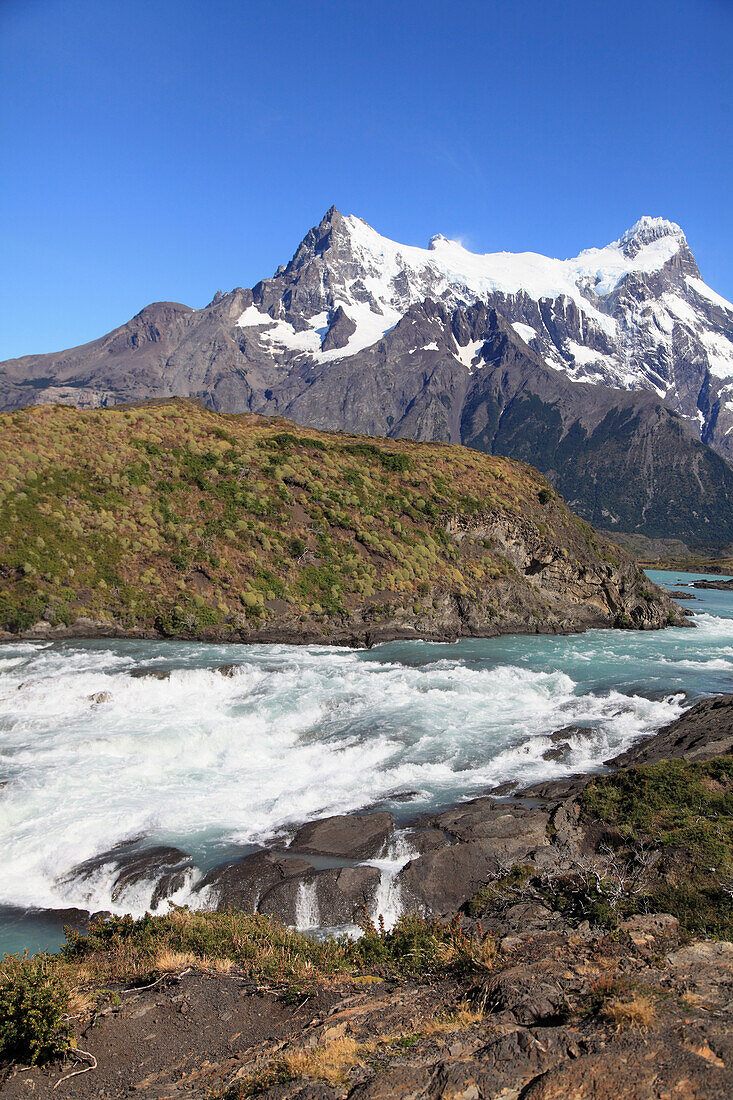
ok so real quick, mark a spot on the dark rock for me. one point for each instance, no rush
(506, 787)
(74, 918)
(165, 868)
(228, 670)
(524, 996)
(702, 732)
(724, 585)
(340, 328)
(511, 826)
(646, 929)
(682, 596)
(100, 697)
(441, 882)
(242, 883)
(557, 753)
(422, 840)
(555, 790)
(346, 836)
(487, 835)
(571, 731)
(149, 674)
(342, 895)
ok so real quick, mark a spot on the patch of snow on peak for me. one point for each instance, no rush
(526, 332)
(704, 291)
(680, 309)
(602, 269)
(252, 318)
(719, 351)
(647, 229)
(583, 355)
(468, 353)
(370, 327)
(448, 271)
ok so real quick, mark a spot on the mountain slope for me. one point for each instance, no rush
(170, 519)
(613, 363)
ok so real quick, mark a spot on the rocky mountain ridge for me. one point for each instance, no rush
(611, 371)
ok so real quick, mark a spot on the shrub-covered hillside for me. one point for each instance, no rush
(168, 517)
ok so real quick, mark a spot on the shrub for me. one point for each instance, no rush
(33, 1001)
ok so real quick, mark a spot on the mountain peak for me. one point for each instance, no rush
(646, 231)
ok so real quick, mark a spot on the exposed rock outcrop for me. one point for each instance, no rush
(348, 836)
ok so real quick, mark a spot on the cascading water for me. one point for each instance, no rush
(387, 905)
(307, 914)
(93, 754)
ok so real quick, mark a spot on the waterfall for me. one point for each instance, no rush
(388, 898)
(307, 914)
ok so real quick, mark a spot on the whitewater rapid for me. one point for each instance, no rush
(95, 751)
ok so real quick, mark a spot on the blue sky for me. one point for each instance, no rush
(160, 150)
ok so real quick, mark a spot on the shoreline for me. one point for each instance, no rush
(347, 637)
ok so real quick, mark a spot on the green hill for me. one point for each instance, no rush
(166, 518)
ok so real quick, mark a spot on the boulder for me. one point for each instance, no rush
(557, 752)
(165, 868)
(440, 882)
(529, 994)
(513, 827)
(702, 732)
(346, 836)
(337, 896)
(488, 835)
(242, 883)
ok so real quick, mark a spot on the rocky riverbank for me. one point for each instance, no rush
(587, 955)
(338, 870)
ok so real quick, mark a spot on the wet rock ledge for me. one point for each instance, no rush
(339, 870)
(560, 1003)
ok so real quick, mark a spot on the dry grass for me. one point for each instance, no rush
(168, 962)
(464, 1016)
(330, 1063)
(80, 1003)
(221, 965)
(636, 1011)
(484, 953)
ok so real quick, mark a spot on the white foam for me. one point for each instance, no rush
(300, 732)
(387, 906)
(307, 911)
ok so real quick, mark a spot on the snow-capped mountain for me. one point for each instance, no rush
(633, 315)
(610, 371)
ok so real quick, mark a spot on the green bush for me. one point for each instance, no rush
(33, 1001)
